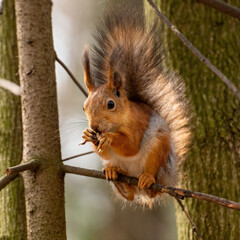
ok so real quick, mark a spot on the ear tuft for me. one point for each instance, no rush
(117, 80)
(86, 69)
(85, 58)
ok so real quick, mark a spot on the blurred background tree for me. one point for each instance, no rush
(12, 206)
(214, 161)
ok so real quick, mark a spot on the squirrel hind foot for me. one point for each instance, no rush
(112, 173)
(145, 181)
(127, 191)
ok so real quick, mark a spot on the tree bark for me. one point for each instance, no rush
(44, 189)
(214, 160)
(12, 206)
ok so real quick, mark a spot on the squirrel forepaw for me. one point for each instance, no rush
(145, 181)
(105, 140)
(89, 135)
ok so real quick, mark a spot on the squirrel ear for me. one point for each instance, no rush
(86, 69)
(115, 80)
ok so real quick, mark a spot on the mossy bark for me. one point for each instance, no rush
(213, 165)
(44, 188)
(12, 206)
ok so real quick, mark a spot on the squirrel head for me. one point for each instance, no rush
(107, 104)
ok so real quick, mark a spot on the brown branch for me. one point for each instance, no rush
(195, 51)
(189, 219)
(222, 7)
(175, 192)
(79, 155)
(5, 180)
(71, 75)
(31, 165)
(13, 172)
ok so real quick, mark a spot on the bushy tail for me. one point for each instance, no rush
(140, 60)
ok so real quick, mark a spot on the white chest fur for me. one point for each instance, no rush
(134, 165)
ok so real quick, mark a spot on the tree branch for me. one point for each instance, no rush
(5, 180)
(31, 165)
(222, 7)
(195, 51)
(71, 75)
(175, 192)
(10, 86)
(13, 172)
(79, 155)
(189, 219)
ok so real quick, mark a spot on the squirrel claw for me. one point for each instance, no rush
(145, 181)
(105, 141)
(82, 142)
(89, 136)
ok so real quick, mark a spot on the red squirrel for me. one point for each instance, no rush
(135, 107)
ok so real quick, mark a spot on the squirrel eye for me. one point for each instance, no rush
(111, 104)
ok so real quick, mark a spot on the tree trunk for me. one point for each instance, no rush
(12, 206)
(214, 161)
(44, 188)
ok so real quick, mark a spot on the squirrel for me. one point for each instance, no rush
(136, 108)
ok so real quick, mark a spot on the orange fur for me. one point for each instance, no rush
(121, 130)
(157, 158)
(126, 142)
(159, 155)
(126, 190)
(144, 130)
(128, 122)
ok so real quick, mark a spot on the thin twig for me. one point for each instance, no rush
(31, 165)
(71, 75)
(10, 86)
(79, 155)
(13, 172)
(1, 6)
(175, 192)
(5, 180)
(196, 51)
(190, 220)
(222, 7)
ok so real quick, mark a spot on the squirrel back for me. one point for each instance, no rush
(124, 42)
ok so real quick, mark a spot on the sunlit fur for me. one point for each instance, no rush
(148, 126)
(98, 113)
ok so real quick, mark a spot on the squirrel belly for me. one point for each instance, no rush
(155, 158)
(134, 165)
